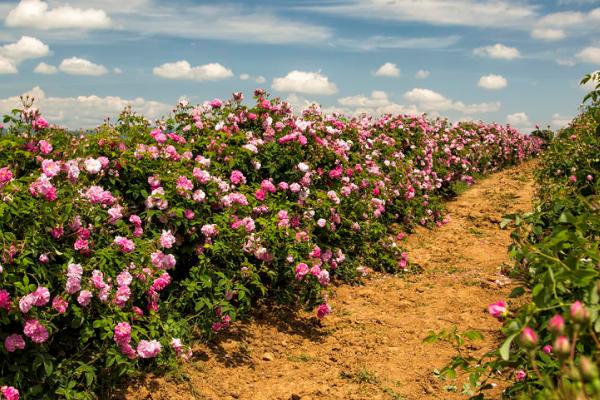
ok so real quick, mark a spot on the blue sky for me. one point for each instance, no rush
(513, 61)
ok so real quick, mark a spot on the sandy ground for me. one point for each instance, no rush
(371, 347)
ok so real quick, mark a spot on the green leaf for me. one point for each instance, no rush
(473, 335)
(48, 367)
(505, 348)
(517, 292)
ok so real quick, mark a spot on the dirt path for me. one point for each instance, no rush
(372, 346)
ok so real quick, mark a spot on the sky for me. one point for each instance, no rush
(505, 61)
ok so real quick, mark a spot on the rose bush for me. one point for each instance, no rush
(556, 249)
(119, 243)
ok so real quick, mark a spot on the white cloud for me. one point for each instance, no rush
(235, 22)
(12, 54)
(117, 71)
(376, 104)
(422, 74)
(498, 51)
(378, 98)
(183, 70)
(388, 69)
(428, 100)
(259, 79)
(565, 63)
(548, 34)
(589, 55)
(562, 19)
(520, 121)
(299, 103)
(552, 26)
(481, 13)
(398, 42)
(45, 69)
(85, 111)
(559, 121)
(305, 82)
(492, 82)
(36, 14)
(563, 2)
(7, 67)
(81, 66)
(25, 48)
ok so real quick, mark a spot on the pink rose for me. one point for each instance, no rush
(148, 348)
(9, 392)
(323, 310)
(14, 342)
(35, 331)
(167, 240)
(60, 304)
(84, 298)
(498, 310)
(556, 324)
(5, 301)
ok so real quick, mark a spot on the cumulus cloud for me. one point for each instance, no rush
(498, 51)
(589, 55)
(36, 14)
(45, 69)
(81, 66)
(559, 121)
(429, 100)
(548, 34)
(388, 69)
(375, 104)
(7, 67)
(422, 74)
(553, 26)
(378, 98)
(85, 111)
(520, 120)
(305, 82)
(117, 71)
(259, 79)
(492, 82)
(184, 70)
(26, 48)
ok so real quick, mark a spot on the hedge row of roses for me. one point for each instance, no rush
(119, 245)
(552, 346)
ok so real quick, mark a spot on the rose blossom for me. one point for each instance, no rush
(92, 166)
(84, 298)
(167, 240)
(498, 310)
(9, 392)
(60, 304)
(34, 330)
(148, 348)
(14, 342)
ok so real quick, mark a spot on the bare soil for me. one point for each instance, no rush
(371, 347)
